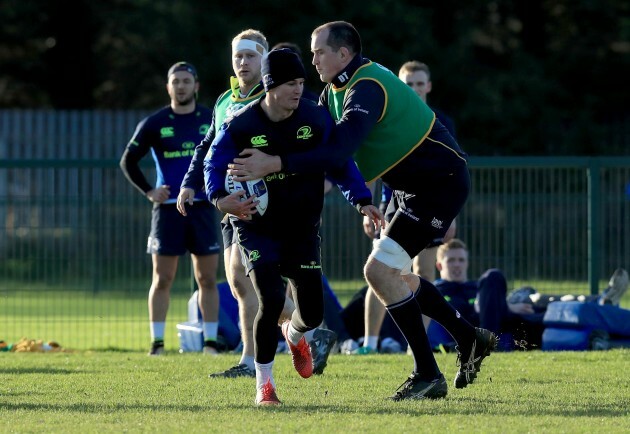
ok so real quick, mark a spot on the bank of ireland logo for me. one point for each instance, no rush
(258, 141)
(188, 145)
(254, 255)
(167, 132)
(304, 133)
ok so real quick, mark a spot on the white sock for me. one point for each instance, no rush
(210, 331)
(247, 360)
(371, 341)
(264, 373)
(157, 330)
(309, 335)
(293, 335)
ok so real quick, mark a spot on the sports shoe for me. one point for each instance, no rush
(300, 353)
(157, 348)
(485, 342)
(617, 286)
(415, 388)
(210, 348)
(364, 351)
(348, 346)
(322, 343)
(266, 395)
(241, 370)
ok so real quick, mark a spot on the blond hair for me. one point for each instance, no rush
(252, 35)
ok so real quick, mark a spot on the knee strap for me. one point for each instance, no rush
(390, 253)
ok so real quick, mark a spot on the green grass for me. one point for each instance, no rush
(112, 319)
(85, 392)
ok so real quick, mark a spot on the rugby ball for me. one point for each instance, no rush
(255, 186)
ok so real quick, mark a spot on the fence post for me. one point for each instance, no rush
(593, 173)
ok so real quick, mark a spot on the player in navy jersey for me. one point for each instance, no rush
(248, 49)
(284, 241)
(171, 135)
(393, 135)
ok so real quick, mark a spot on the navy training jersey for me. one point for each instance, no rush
(172, 139)
(296, 199)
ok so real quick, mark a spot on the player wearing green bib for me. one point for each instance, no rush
(391, 133)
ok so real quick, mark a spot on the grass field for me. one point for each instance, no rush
(520, 392)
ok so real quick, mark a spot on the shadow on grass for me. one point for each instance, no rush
(34, 370)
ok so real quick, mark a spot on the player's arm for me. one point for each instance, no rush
(363, 107)
(194, 178)
(129, 163)
(221, 152)
(353, 187)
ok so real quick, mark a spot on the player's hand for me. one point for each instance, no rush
(373, 218)
(185, 196)
(368, 228)
(160, 194)
(234, 205)
(253, 164)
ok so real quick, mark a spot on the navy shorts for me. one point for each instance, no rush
(298, 250)
(227, 231)
(172, 234)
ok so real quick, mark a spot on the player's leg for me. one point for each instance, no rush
(202, 243)
(243, 291)
(373, 316)
(271, 294)
(165, 245)
(205, 271)
(424, 266)
(245, 294)
(164, 269)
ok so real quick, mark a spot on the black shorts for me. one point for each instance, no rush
(294, 251)
(419, 219)
(172, 234)
(227, 232)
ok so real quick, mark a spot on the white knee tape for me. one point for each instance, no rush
(390, 253)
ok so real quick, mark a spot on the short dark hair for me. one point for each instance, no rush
(341, 34)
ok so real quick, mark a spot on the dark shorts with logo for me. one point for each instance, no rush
(227, 232)
(294, 250)
(172, 234)
(417, 219)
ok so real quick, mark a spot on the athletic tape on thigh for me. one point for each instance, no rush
(390, 253)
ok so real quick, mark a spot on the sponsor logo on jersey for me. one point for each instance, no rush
(312, 266)
(304, 133)
(343, 77)
(167, 132)
(437, 223)
(358, 108)
(188, 145)
(254, 255)
(203, 130)
(259, 141)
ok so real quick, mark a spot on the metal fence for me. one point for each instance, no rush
(72, 261)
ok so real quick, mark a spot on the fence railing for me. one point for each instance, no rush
(73, 231)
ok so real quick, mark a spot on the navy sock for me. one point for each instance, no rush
(435, 306)
(408, 317)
